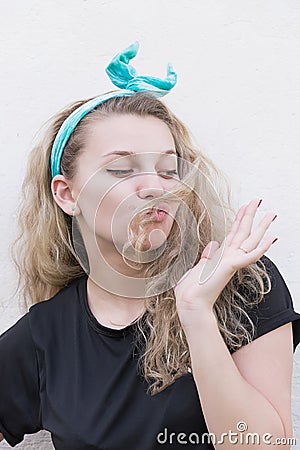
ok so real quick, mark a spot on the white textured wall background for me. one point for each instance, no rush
(238, 92)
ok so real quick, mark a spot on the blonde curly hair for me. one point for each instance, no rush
(46, 259)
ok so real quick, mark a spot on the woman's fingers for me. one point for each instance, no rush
(241, 231)
(257, 235)
(235, 224)
(244, 229)
(243, 223)
(255, 254)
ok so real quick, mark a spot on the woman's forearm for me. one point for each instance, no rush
(226, 397)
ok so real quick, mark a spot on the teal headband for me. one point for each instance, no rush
(123, 75)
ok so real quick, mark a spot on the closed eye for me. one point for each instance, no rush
(124, 172)
(118, 172)
(172, 172)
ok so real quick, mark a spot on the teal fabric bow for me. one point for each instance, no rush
(122, 75)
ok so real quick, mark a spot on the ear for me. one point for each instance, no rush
(64, 195)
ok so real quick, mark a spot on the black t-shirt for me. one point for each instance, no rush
(62, 371)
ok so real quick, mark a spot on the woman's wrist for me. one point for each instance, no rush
(198, 321)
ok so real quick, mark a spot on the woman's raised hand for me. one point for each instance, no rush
(198, 290)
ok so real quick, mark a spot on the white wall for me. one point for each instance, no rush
(238, 92)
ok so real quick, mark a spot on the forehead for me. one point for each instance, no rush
(130, 135)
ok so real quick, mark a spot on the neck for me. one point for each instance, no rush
(111, 310)
(109, 270)
(115, 290)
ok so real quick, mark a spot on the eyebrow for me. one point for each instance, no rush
(126, 152)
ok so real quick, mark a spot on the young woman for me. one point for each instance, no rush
(155, 316)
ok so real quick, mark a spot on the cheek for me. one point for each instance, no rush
(104, 205)
(97, 201)
(114, 213)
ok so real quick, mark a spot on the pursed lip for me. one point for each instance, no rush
(161, 207)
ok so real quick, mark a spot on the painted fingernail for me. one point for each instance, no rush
(275, 240)
(274, 218)
(259, 202)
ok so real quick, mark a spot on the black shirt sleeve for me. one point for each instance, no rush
(19, 383)
(276, 308)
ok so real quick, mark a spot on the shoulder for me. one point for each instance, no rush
(64, 298)
(52, 315)
(278, 299)
(276, 307)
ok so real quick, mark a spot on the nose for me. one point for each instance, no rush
(150, 185)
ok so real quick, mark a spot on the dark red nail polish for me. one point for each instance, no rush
(275, 240)
(274, 218)
(259, 202)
